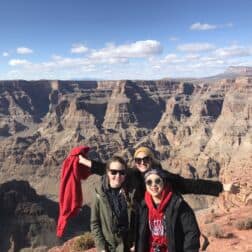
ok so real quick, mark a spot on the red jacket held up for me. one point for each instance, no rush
(70, 198)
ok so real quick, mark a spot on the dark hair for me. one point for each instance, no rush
(155, 170)
(116, 159)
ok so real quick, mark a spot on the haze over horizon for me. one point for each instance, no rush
(123, 40)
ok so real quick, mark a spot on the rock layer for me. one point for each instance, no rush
(197, 128)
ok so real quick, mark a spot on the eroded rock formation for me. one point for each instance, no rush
(198, 129)
(26, 219)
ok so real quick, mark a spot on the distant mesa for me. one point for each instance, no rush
(230, 73)
(241, 70)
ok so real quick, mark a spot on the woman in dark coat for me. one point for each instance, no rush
(112, 212)
(165, 222)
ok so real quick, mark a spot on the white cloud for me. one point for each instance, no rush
(92, 63)
(5, 54)
(139, 49)
(18, 62)
(192, 57)
(211, 61)
(233, 51)
(157, 67)
(144, 61)
(228, 25)
(172, 58)
(195, 47)
(114, 61)
(88, 69)
(59, 62)
(24, 50)
(204, 27)
(49, 70)
(67, 68)
(173, 38)
(79, 48)
(169, 59)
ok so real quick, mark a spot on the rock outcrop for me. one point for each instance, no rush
(26, 219)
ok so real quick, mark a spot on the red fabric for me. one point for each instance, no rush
(70, 198)
(156, 217)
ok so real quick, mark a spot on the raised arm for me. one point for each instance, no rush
(96, 167)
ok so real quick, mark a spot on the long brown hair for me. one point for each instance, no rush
(116, 159)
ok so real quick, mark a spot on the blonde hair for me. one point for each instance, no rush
(148, 152)
(145, 150)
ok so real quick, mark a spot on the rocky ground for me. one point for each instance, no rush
(228, 231)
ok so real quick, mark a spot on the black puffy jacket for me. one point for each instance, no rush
(180, 224)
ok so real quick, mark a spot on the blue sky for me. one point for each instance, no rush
(116, 39)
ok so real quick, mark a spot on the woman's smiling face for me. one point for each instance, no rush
(154, 185)
(116, 174)
(142, 162)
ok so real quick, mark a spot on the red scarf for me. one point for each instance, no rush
(70, 198)
(156, 217)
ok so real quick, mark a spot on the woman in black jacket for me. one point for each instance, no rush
(164, 221)
(143, 160)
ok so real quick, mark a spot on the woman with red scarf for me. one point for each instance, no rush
(165, 222)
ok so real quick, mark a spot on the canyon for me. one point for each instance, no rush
(199, 128)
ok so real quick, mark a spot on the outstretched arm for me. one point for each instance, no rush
(194, 186)
(96, 167)
(201, 186)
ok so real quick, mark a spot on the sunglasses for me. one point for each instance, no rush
(120, 172)
(145, 160)
(156, 181)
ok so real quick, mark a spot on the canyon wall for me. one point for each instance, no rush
(198, 129)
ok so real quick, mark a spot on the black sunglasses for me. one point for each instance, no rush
(156, 181)
(145, 160)
(114, 172)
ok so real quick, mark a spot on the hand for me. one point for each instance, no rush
(231, 188)
(132, 249)
(85, 161)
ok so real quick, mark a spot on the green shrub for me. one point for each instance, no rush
(83, 242)
(210, 218)
(214, 230)
(244, 224)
